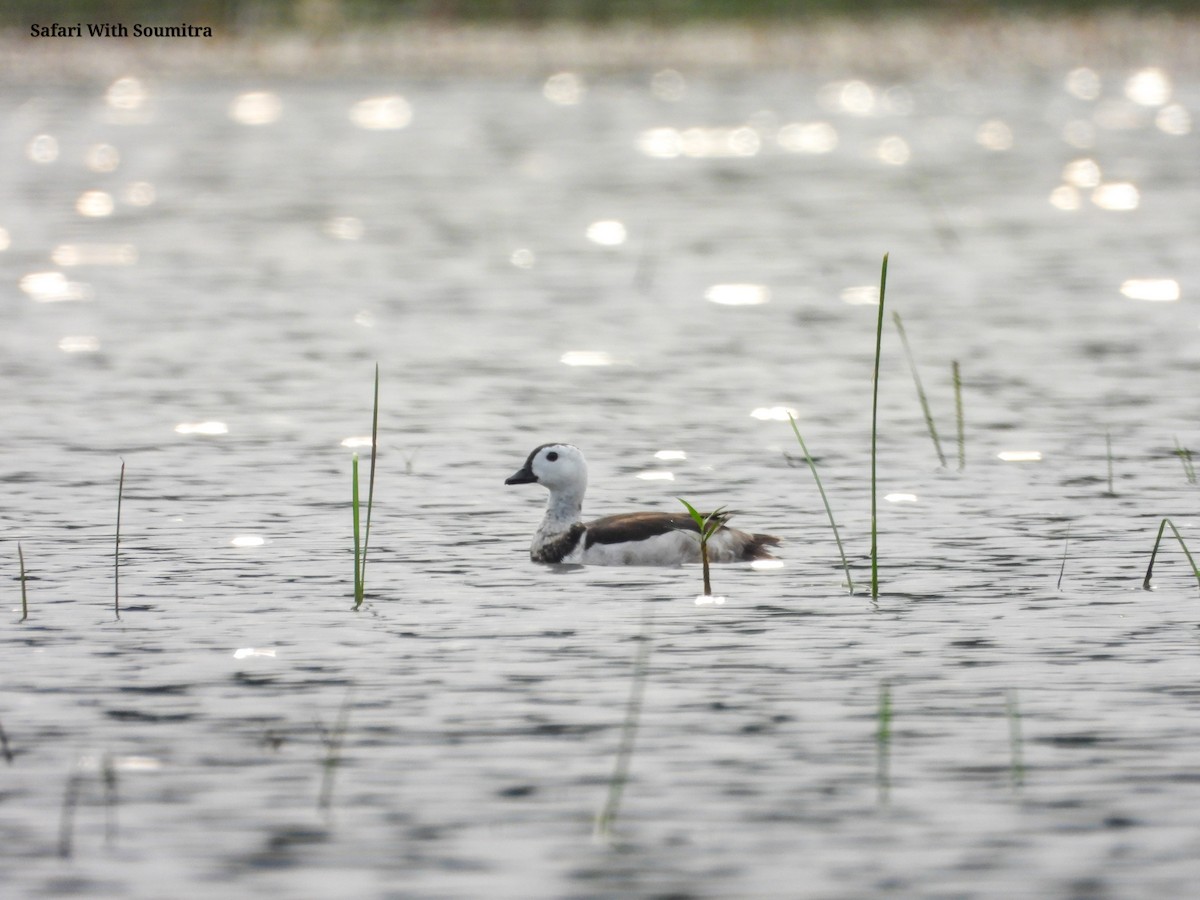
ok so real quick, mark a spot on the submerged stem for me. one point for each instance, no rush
(924, 401)
(825, 500)
(1154, 553)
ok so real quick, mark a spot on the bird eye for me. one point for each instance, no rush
(552, 456)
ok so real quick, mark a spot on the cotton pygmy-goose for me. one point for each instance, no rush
(645, 538)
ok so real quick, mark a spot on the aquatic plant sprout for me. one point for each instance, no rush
(708, 525)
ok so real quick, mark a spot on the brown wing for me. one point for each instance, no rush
(636, 527)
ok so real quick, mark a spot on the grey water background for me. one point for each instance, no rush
(241, 251)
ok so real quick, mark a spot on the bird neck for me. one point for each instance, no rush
(563, 509)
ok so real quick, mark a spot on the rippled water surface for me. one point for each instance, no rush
(200, 276)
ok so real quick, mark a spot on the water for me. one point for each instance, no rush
(252, 274)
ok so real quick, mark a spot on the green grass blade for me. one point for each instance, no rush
(24, 596)
(117, 546)
(607, 816)
(924, 401)
(958, 415)
(875, 435)
(354, 505)
(362, 569)
(1154, 553)
(825, 500)
(1063, 568)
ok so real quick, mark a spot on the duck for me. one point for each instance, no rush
(639, 538)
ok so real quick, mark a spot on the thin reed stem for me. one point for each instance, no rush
(362, 573)
(912, 367)
(1063, 567)
(1154, 553)
(117, 546)
(607, 816)
(875, 435)
(24, 596)
(354, 505)
(1109, 458)
(958, 415)
(1016, 766)
(825, 500)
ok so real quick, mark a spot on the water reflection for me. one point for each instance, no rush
(670, 455)
(248, 540)
(5, 240)
(251, 652)
(700, 143)
(607, 233)
(1020, 455)
(1083, 83)
(900, 498)
(356, 442)
(1066, 197)
(774, 413)
(1148, 87)
(42, 149)
(738, 294)
(1117, 195)
(994, 135)
(1082, 173)
(140, 193)
(668, 85)
(67, 255)
(655, 475)
(204, 428)
(523, 258)
(564, 89)
(126, 93)
(381, 113)
(95, 204)
(1160, 290)
(256, 108)
(893, 150)
(861, 295)
(590, 358)
(53, 287)
(1174, 120)
(344, 228)
(102, 158)
(808, 137)
(82, 343)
